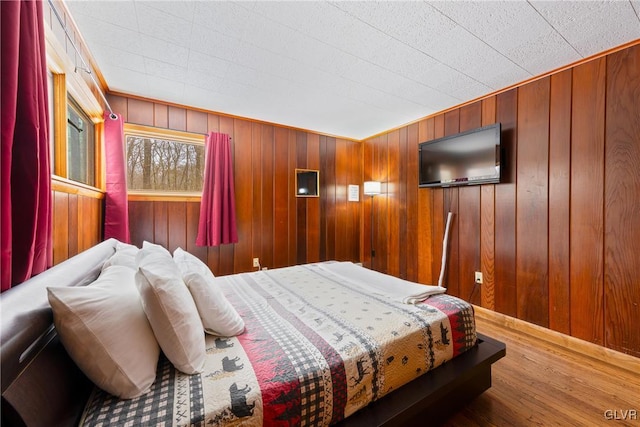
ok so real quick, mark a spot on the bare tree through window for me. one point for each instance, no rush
(156, 164)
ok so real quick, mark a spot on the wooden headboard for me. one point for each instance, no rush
(41, 385)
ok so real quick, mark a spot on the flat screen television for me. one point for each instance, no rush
(467, 158)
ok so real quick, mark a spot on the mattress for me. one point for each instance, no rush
(321, 341)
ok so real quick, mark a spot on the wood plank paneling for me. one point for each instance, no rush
(469, 218)
(505, 207)
(622, 203)
(256, 190)
(76, 221)
(313, 203)
(267, 215)
(559, 197)
(177, 118)
(487, 222)
(301, 202)
(355, 178)
(281, 198)
(141, 222)
(403, 239)
(451, 204)
(76, 216)
(487, 245)
(381, 204)
(394, 197)
(160, 224)
(196, 121)
(342, 164)
(587, 188)
(60, 227)
(532, 231)
(160, 115)
(293, 205)
(330, 197)
(242, 140)
(417, 254)
(176, 226)
(192, 217)
(140, 112)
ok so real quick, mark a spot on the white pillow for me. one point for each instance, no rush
(155, 247)
(171, 311)
(188, 262)
(218, 316)
(125, 255)
(106, 332)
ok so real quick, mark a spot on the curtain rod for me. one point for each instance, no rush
(86, 68)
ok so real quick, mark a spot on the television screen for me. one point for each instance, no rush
(467, 158)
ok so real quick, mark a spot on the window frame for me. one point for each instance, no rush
(132, 129)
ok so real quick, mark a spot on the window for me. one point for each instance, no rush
(80, 145)
(165, 161)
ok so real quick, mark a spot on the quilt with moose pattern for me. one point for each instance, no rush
(318, 346)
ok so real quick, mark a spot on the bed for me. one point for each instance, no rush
(245, 374)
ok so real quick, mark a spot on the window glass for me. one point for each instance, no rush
(80, 146)
(164, 165)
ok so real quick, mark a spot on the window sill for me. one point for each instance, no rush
(68, 186)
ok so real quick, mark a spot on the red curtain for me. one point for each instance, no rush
(116, 215)
(26, 174)
(217, 223)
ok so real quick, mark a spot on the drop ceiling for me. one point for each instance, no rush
(346, 68)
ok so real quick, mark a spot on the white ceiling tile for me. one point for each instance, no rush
(561, 14)
(169, 90)
(102, 33)
(636, 7)
(125, 80)
(204, 80)
(400, 58)
(222, 17)
(162, 50)
(611, 25)
(163, 26)
(213, 43)
(121, 14)
(123, 58)
(207, 64)
(409, 22)
(184, 10)
(484, 19)
(547, 52)
(165, 70)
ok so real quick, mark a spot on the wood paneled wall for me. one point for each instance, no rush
(273, 224)
(77, 219)
(558, 241)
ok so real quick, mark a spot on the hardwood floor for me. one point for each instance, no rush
(540, 383)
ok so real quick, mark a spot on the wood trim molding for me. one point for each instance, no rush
(613, 358)
(163, 197)
(64, 185)
(157, 132)
(60, 125)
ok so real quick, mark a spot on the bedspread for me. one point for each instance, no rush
(317, 347)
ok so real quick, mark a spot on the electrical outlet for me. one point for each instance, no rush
(256, 262)
(478, 277)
